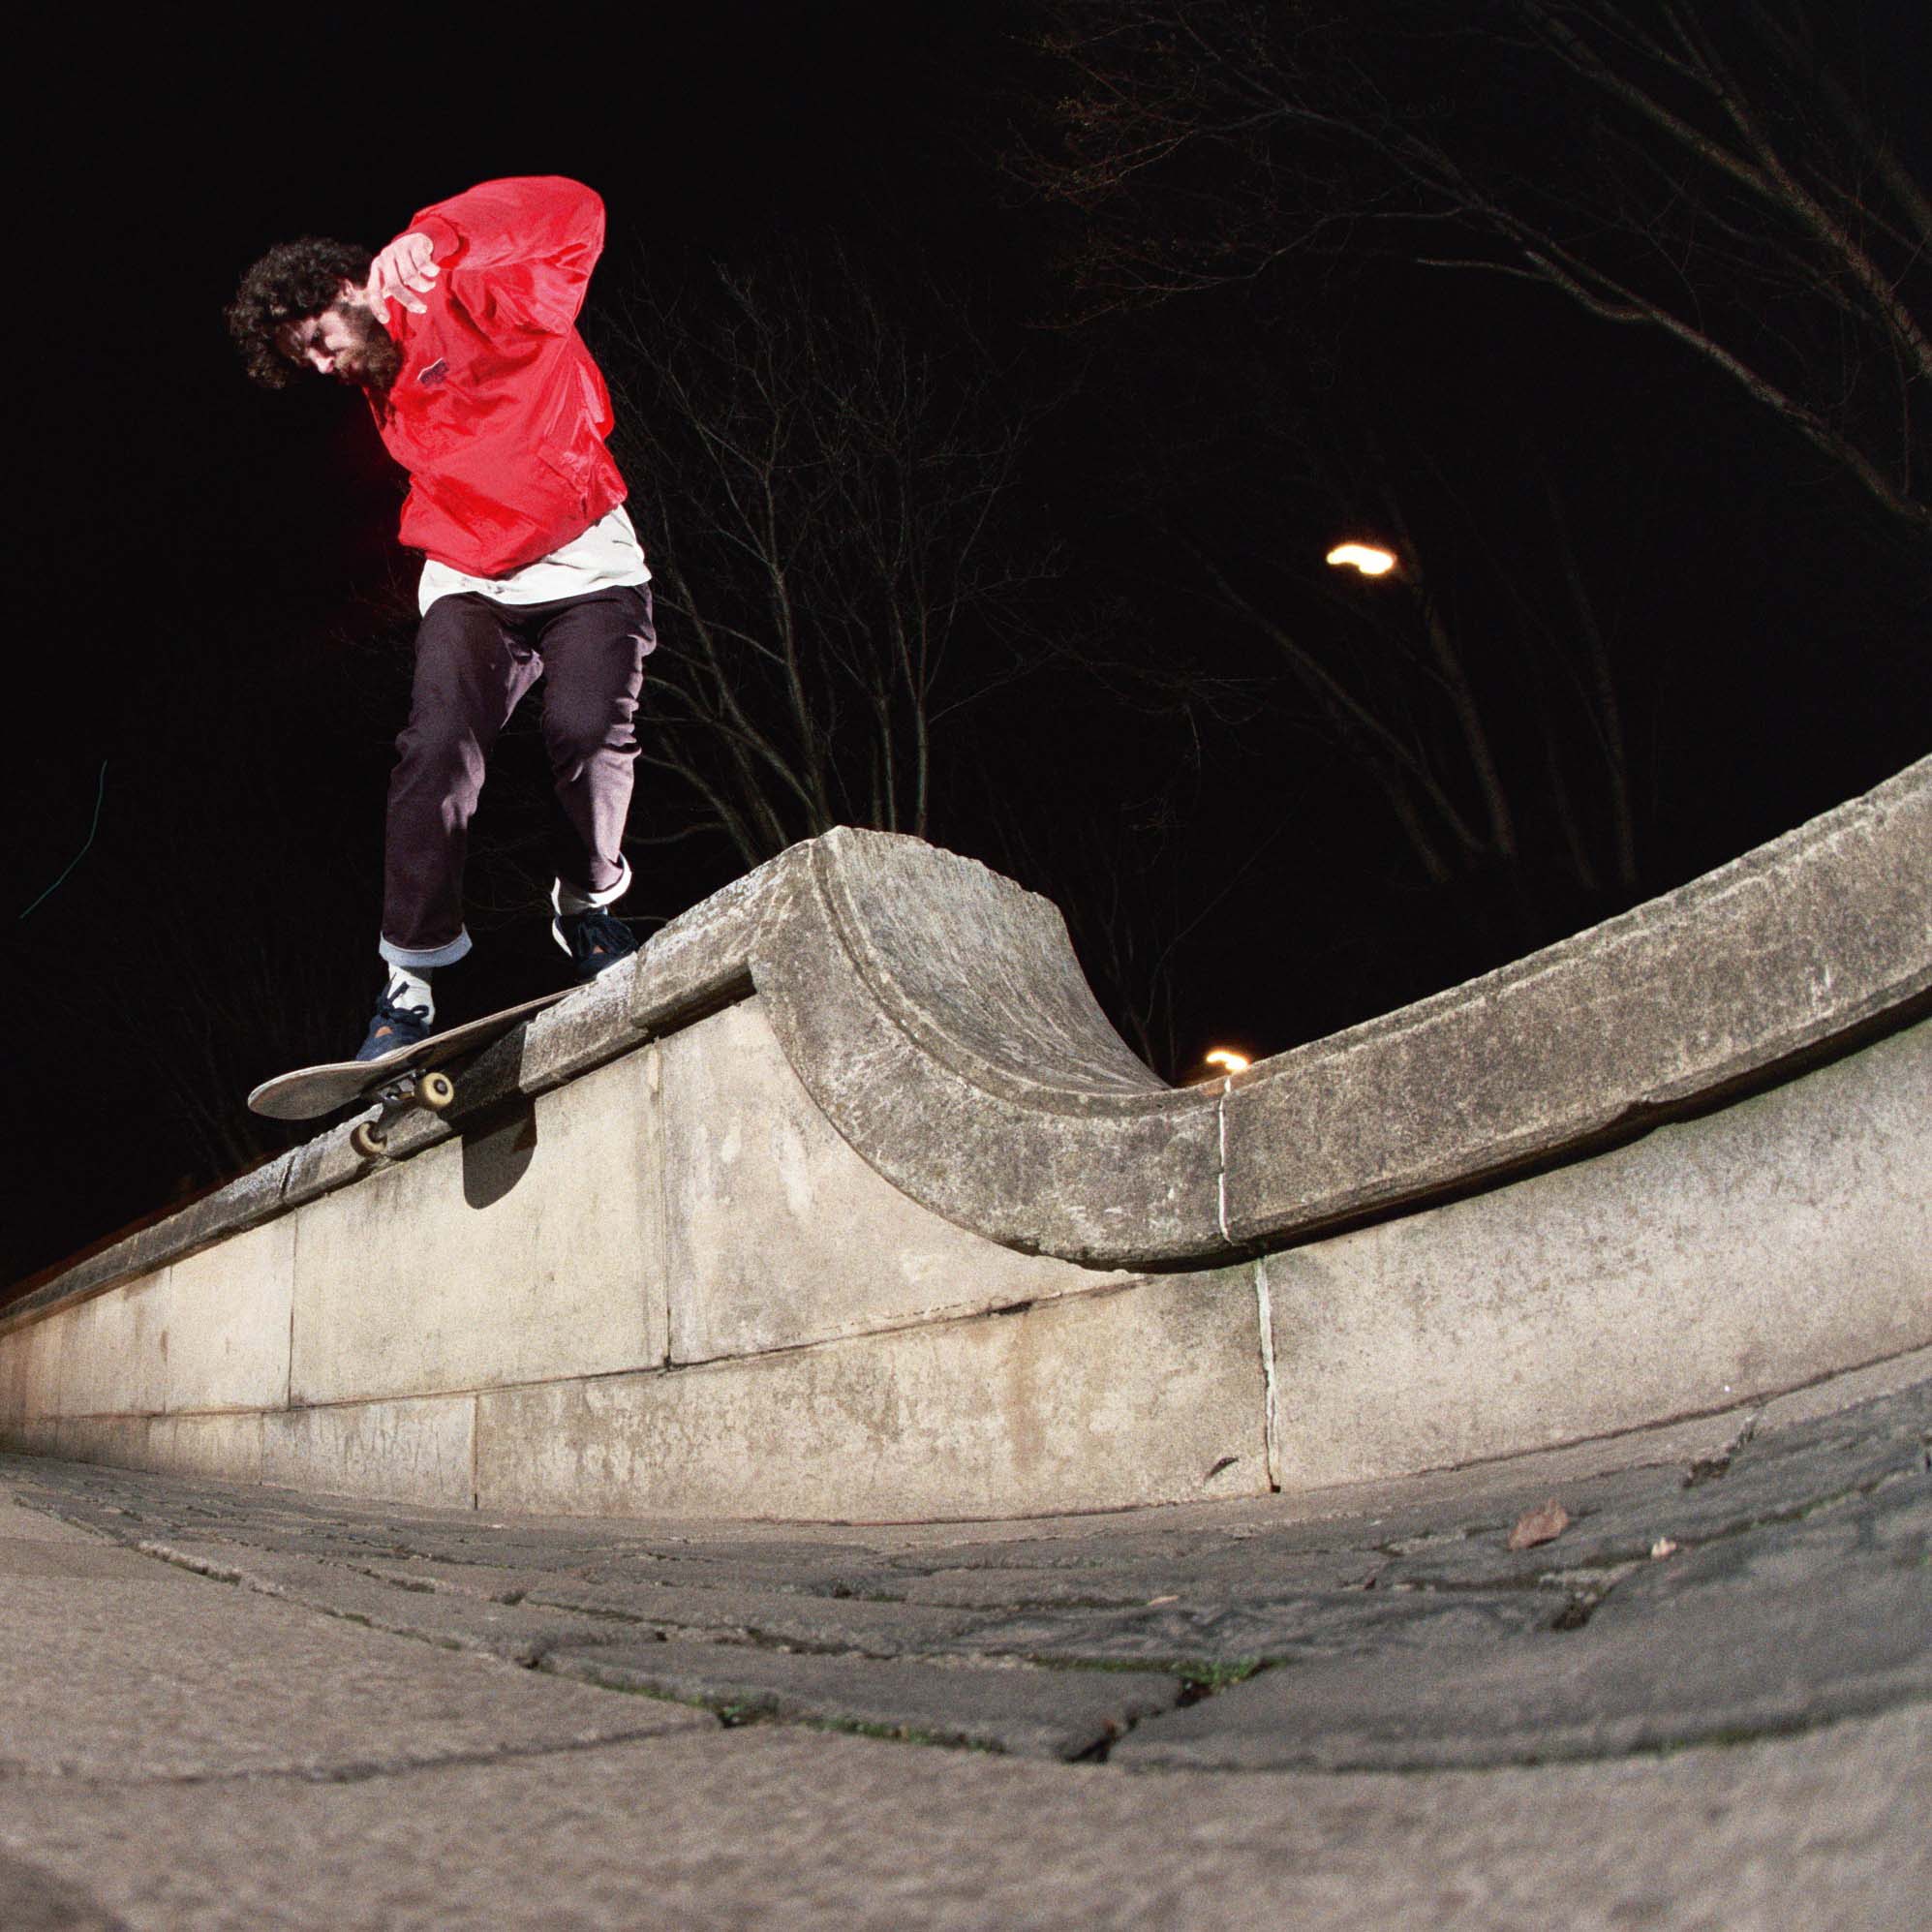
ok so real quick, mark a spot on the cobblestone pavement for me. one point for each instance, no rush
(1775, 1581)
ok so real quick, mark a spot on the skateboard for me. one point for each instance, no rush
(404, 1079)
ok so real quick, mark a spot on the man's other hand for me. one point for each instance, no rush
(403, 270)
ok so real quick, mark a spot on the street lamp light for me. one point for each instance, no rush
(1371, 558)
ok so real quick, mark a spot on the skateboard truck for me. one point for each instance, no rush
(400, 1097)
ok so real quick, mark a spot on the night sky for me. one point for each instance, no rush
(209, 669)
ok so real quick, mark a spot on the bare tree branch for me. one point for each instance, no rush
(826, 518)
(1705, 172)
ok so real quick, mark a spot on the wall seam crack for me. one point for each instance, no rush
(1221, 1162)
(1263, 1302)
(1265, 1309)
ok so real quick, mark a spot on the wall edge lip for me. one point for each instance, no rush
(694, 965)
(778, 933)
(1872, 811)
(1824, 928)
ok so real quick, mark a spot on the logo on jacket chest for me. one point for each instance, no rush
(434, 374)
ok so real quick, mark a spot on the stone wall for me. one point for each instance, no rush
(843, 1200)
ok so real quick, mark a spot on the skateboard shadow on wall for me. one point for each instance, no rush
(497, 1151)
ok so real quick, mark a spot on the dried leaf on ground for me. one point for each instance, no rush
(1542, 1524)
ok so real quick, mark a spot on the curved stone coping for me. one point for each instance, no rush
(937, 1016)
(1804, 946)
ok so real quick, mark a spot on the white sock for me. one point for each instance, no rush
(406, 988)
(566, 897)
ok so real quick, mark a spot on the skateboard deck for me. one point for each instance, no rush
(403, 1079)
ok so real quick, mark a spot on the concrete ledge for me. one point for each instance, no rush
(1761, 966)
(929, 1005)
(938, 1017)
(696, 964)
(843, 1199)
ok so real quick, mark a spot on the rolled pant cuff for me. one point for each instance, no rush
(574, 899)
(419, 959)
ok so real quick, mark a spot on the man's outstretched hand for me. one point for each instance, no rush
(403, 270)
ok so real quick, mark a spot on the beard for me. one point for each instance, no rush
(373, 360)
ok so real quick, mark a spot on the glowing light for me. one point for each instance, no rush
(1228, 1061)
(1368, 558)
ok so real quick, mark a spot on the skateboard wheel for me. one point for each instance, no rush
(436, 1090)
(367, 1140)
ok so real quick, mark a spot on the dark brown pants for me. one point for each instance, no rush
(474, 659)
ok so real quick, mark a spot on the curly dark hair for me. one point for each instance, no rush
(293, 281)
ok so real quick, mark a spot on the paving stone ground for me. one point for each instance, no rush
(1735, 1617)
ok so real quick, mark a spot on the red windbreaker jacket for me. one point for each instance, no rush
(499, 413)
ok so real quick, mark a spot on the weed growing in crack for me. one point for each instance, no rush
(1200, 1676)
(1202, 1680)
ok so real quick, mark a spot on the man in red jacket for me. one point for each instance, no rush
(462, 335)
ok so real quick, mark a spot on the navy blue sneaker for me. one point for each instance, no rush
(394, 1026)
(594, 940)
